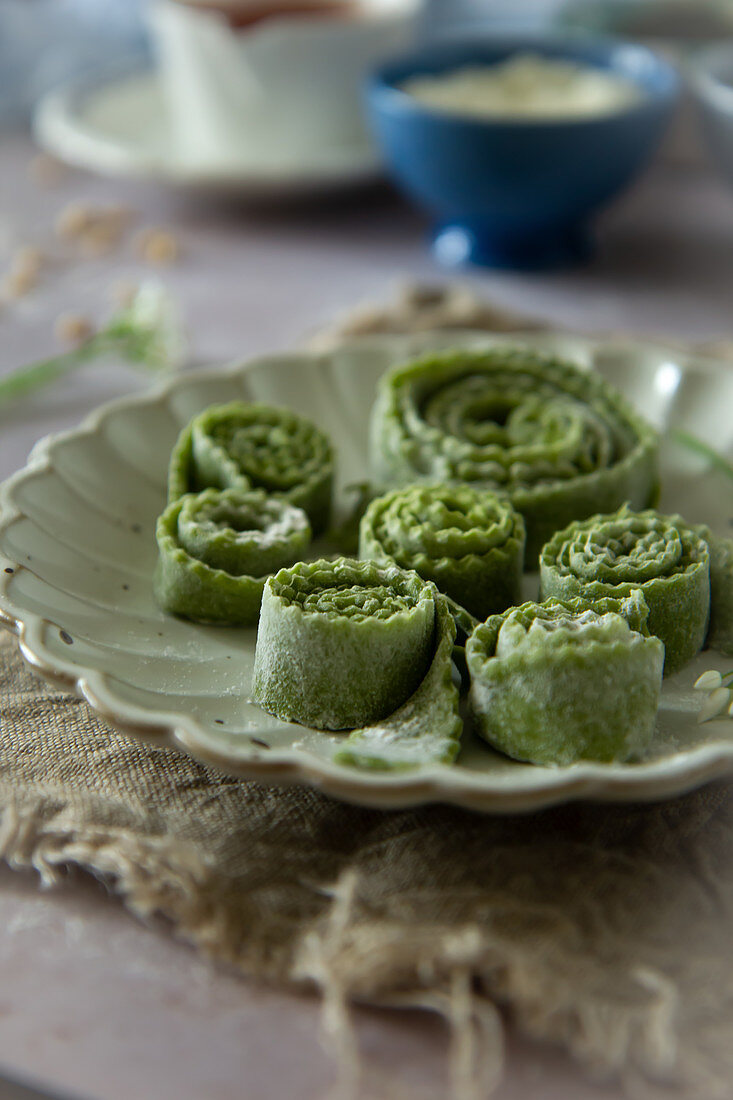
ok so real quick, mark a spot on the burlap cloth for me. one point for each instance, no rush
(605, 928)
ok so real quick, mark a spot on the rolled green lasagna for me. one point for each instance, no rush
(468, 541)
(252, 446)
(564, 681)
(559, 441)
(720, 634)
(611, 555)
(352, 645)
(216, 549)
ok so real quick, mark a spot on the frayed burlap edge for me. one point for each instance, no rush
(166, 877)
(462, 975)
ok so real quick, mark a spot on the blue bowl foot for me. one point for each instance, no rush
(456, 243)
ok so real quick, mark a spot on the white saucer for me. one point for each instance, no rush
(121, 128)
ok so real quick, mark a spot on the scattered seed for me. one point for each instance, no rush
(65, 637)
(73, 220)
(262, 744)
(219, 721)
(157, 246)
(28, 257)
(16, 284)
(98, 240)
(95, 229)
(73, 328)
(9, 570)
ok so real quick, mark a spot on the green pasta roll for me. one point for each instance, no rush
(216, 549)
(564, 681)
(611, 555)
(468, 541)
(427, 728)
(720, 634)
(559, 441)
(348, 644)
(251, 446)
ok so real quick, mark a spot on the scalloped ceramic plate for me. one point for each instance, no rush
(77, 553)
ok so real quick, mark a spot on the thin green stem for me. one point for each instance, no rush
(146, 334)
(687, 439)
(25, 380)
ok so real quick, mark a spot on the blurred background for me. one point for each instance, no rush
(43, 42)
(227, 151)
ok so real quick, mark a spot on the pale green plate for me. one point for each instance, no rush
(77, 553)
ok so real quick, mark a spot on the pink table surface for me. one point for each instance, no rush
(92, 1002)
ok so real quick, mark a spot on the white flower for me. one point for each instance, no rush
(149, 330)
(147, 333)
(716, 702)
(708, 681)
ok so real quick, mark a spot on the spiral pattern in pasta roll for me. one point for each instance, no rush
(216, 550)
(253, 446)
(611, 555)
(345, 644)
(469, 542)
(563, 681)
(558, 440)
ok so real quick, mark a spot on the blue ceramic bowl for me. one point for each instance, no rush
(517, 193)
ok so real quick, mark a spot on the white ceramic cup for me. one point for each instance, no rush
(279, 91)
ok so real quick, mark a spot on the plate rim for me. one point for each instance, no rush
(654, 779)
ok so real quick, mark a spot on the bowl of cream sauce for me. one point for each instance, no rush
(514, 143)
